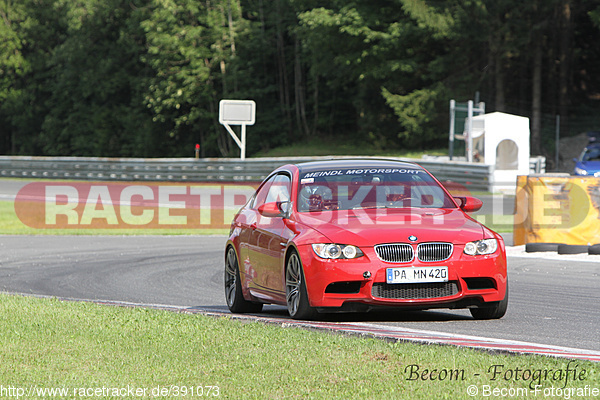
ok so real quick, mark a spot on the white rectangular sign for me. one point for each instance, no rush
(237, 112)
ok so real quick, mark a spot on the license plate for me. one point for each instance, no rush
(417, 274)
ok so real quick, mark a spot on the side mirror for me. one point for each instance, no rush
(274, 209)
(575, 160)
(469, 204)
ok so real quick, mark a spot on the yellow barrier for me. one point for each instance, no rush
(562, 210)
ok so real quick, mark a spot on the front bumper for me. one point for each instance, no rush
(472, 280)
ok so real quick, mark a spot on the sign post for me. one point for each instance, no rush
(237, 112)
(470, 108)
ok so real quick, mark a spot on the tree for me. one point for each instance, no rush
(144, 77)
(14, 21)
(357, 49)
(94, 83)
(190, 44)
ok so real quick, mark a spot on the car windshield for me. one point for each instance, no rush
(591, 154)
(347, 189)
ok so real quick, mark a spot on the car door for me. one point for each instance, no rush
(249, 237)
(267, 241)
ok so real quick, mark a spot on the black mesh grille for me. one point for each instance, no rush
(428, 252)
(414, 290)
(343, 287)
(399, 252)
(480, 283)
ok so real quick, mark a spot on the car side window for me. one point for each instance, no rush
(261, 194)
(279, 189)
(592, 154)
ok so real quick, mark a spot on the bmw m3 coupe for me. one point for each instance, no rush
(352, 235)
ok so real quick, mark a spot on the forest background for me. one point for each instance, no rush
(143, 78)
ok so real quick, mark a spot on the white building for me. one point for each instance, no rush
(502, 140)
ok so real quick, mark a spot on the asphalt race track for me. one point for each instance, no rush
(552, 301)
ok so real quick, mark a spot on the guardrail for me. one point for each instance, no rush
(473, 176)
(133, 169)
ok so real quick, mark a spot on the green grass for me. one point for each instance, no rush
(11, 225)
(498, 223)
(335, 148)
(50, 343)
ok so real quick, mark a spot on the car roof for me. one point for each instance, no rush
(593, 146)
(355, 163)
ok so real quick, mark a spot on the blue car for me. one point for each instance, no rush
(588, 162)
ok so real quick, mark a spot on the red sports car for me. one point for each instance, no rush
(350, 235)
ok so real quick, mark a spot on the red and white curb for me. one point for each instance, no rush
(476, 342)
(377, 331)
(430, 337)
(395, 333)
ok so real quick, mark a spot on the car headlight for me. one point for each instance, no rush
(336, 251)
(580, 171)
(481, 247)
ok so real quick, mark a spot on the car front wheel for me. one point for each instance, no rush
(233, 287)
(295, 290)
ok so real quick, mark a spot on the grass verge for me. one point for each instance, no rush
(11, 225)
(499, 223)
(84, 347)
(327, 147)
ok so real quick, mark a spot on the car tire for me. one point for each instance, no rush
(540, 247)
(494, 310)
(233, 286)
(572, 249)
(594, 249)
(295, 289)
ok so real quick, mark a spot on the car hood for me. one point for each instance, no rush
(590, 166)
(373, 226)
